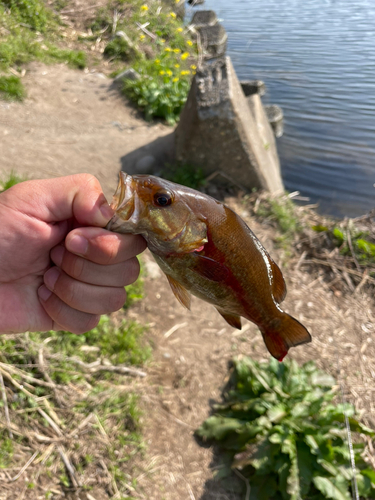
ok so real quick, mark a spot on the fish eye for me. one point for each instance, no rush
(162, 199)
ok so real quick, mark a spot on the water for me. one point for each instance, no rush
(317, 58)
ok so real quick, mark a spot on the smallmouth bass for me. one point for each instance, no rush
(207, 250)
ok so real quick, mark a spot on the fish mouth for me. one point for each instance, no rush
(123, 202)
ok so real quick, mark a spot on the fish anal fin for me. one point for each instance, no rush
(283, 333)
(210, 268)
(180, 292)
(278, 283)
(232, 319)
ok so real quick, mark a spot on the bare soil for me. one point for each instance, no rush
(77, 122)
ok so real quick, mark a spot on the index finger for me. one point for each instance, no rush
(104, 247)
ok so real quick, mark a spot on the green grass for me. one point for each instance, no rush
(29, 31)
(165, 63)
(11, 88)
(114, 434)
(9, 180)
(185, 174)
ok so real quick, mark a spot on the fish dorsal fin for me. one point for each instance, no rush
(278, 283)
(232, 319)
(210, 268)
(181, 294)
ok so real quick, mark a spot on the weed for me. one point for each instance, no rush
(352, 241)
(283, 430)
(33, 13)
(73, 395)
(11, 88)
(185, 174)
(10, 180)
(6, 449)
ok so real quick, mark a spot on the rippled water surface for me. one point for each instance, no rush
(317, 58)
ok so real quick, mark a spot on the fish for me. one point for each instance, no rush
(205, 249)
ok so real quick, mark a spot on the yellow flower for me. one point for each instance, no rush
(162, 40)
(185, 72)
(177, 1)
(193, 66)
(177, 51)
(168, 49)
(175, 79)
(180, 30)
(161, 72)
(169, 72)
(176, 65)
(190, 43)
(172, 14)
(185, 55)
(157, 61)
(142, 37)
(144, 7)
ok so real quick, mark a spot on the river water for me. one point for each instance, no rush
(317, 58)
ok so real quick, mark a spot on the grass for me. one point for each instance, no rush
(72, 388)
(185, 174)
(29, 31)
(164, 56)
(165, 60)
(281, 212)
(11, 88)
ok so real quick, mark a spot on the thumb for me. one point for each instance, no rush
(77, 196)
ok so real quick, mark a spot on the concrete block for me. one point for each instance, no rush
(213, 40)
(204, 18)
(218, 131)
(251, 87)
(275, 117)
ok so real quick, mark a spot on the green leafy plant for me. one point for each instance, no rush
(362, 244)
(281, 426)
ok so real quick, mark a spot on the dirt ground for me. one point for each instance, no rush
(76, 122)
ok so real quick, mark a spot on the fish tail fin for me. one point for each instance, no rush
(283, 333)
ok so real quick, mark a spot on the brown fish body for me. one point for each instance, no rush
(206, 249)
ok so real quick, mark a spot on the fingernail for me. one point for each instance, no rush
(51, 277)
(44, 293)
(77, 244)
(106, 211)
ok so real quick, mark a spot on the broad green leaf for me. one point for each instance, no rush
(219, 427)
(322, 379)
(364, 486)
(305, 460)
(312, 444)
(277, 413)
(329, 490)
(328, 466)
(300, 409)
(370, 473)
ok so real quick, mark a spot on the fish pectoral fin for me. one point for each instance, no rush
(232, 319)
(278, 283)
(209, 268)
(287, 332)
(180, 292)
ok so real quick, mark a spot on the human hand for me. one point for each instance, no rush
(60, 221)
